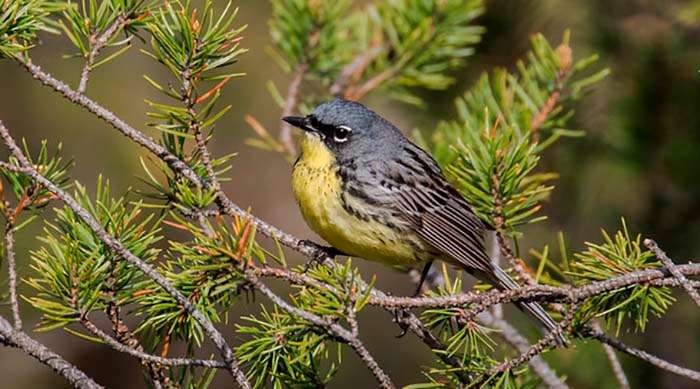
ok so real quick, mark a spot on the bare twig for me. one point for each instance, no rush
(115, 344)
(643, 355)
(673, 269)
(12, 271)
(117, 247)
(528, 353)
(290, 104)
(98, 43)
(12, 337)
(614, 361)
(513, 337)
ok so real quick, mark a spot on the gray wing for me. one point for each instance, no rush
(416, 190)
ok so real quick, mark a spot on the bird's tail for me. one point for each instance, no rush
(503, 280)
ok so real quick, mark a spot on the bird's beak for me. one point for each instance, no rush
(299, 122)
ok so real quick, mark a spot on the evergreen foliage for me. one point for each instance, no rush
(491, 150)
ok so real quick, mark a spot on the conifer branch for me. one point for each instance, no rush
(140, 354)
(348, 337)
(290, 104)
(673, 269)
(643, 355)
(116, 246)
(98, 43)
(12, 272)
(614, 361)
(14, 338)
(520, 343)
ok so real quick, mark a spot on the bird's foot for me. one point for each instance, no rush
(322, 253)
(400, 316)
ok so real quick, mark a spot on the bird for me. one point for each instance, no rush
(370, 192)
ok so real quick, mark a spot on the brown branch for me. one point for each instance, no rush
(358, 92)
(98, 43)
(290, 105)
(673, 269)
(140, 354)
(118, 248)
(353, 71)
(12, 274)
(563, 52)
(331, 327)
(536, 349)
(14, 338)
(643, 355)
(614, 361)
(514, 338)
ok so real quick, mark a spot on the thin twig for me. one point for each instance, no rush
(513, 337)
(643, 355)
(531, 352)
(118, 248)
(99, 43)
(333, 328)
(290, 105)
(673, 269)
(12, 337)
(620, 375)
(115, 344)
(12, 271)
(352, 72)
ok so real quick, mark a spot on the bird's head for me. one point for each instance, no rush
(345, 127)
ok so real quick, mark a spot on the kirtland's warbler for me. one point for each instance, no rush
(371, 193)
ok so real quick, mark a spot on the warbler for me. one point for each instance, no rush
(371, 193)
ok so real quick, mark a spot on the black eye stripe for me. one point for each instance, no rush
(325, 129)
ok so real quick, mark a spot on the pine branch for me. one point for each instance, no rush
(519, 342)
(614, 361)
(116, 246)
(14, 338)
(673, 269)
(12, 271)
(337, 330)
(643, 355)
(99, 43)
(140, 354)
(290, 104)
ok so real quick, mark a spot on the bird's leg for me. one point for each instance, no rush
(423, 275)
(322, 252)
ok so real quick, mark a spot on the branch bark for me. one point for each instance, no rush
(673, 269)
(14, 338)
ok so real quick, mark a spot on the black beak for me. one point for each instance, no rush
(299, 122)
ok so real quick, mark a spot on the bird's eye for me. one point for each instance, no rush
(341, 133)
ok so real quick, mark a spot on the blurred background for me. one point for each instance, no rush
(640, 159)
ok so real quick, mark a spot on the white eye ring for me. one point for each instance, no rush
(341, 140)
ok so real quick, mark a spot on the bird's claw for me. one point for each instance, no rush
(399, 315)
(322, 253)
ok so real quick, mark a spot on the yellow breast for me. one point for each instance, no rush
(317, 189)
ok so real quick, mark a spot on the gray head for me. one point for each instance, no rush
(347, 127)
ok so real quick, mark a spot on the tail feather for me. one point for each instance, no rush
(503, 281)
